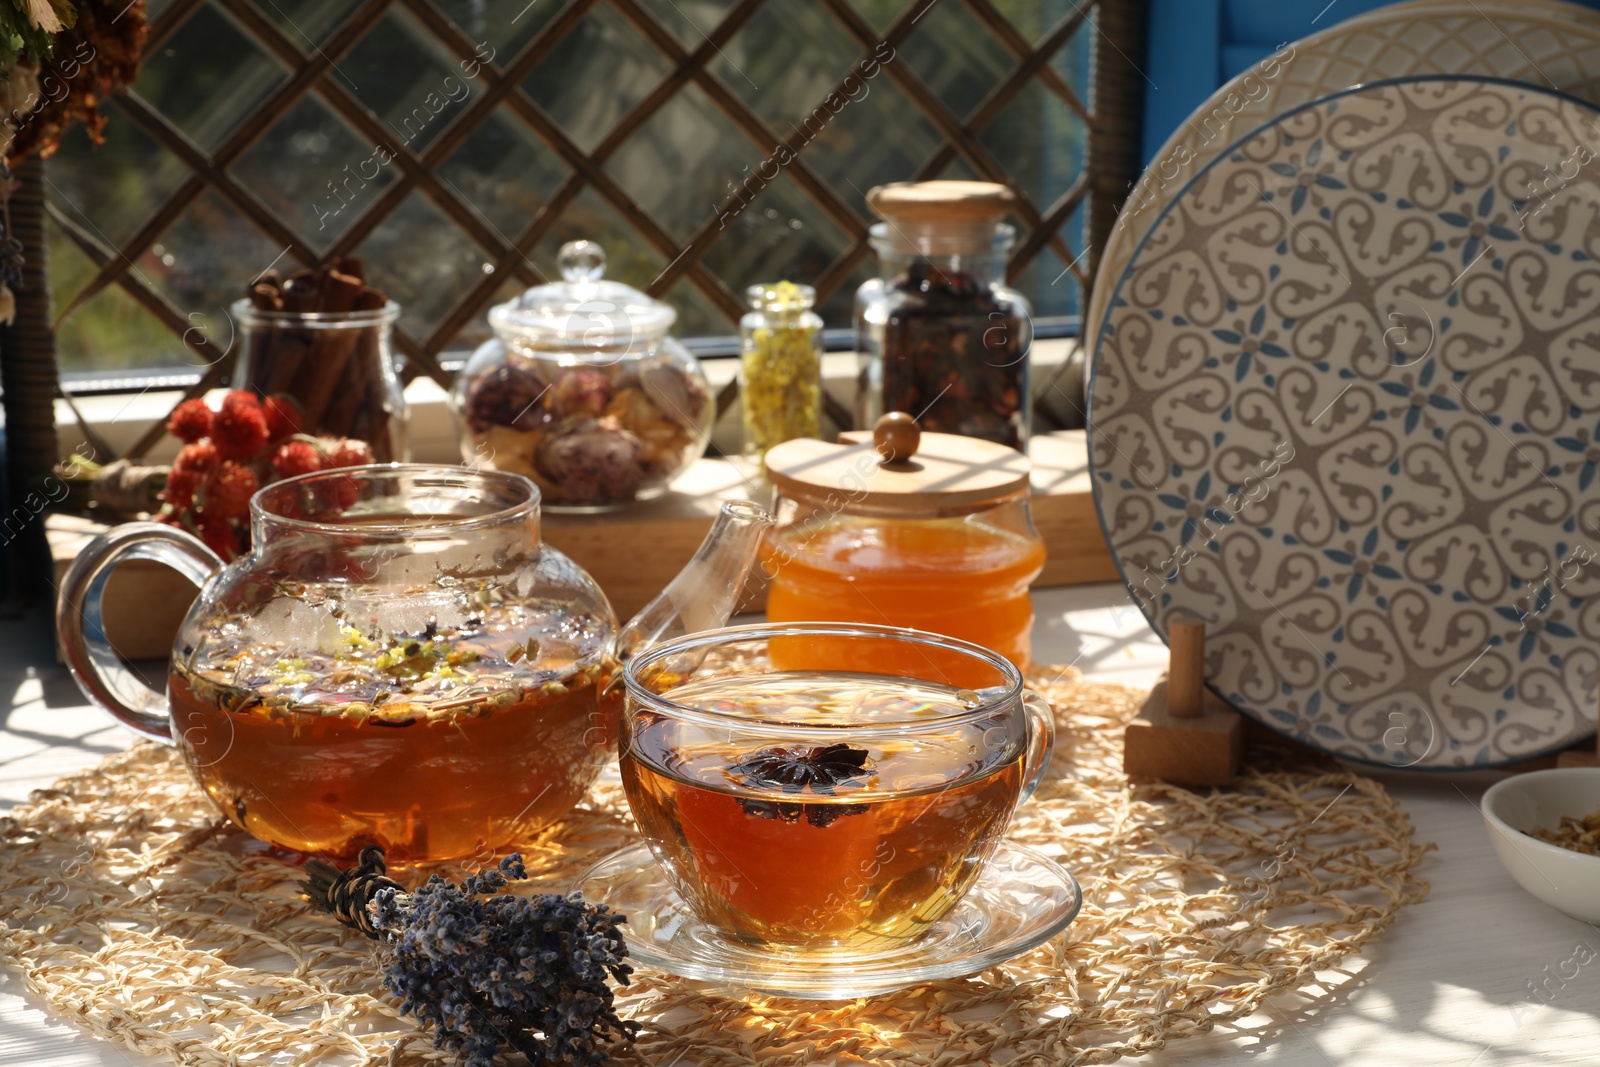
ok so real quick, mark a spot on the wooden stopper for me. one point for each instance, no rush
(1186, 638)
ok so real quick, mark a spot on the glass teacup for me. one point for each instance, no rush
(801, 807)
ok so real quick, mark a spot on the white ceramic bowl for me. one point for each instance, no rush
(1560, 877)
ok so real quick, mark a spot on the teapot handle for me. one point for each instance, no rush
(94, 664)
(1041, 742)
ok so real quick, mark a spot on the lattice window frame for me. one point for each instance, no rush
(1110, 116)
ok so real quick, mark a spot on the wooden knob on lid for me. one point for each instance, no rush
(895, 465)
(896, 436)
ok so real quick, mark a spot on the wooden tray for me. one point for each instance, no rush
(631, 553)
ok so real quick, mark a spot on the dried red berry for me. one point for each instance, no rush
(190, 421)
(201, 457)
(283, 417)
(341, 492)
(350, 453)
(229, 491)
(296, 457)
(182, 484)
(220, 536)
(240, 428)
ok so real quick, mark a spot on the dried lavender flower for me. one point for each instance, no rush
(488, 969)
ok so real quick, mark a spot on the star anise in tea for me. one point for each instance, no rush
(793, 770)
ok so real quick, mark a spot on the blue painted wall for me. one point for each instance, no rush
(1196, 45)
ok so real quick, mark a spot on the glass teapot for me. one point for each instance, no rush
(397, 661)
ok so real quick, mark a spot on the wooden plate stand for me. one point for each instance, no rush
(1187, 735)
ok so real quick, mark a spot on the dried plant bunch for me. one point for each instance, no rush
(95, 51)
(230, 453)
(484, 968)
(27, 26)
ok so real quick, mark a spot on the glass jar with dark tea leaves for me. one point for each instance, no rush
(940, 334)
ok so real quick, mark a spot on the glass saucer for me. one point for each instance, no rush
(1020, 901)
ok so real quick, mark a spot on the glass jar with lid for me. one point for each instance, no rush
(897, 527)
(584, 391)
(940, 334)
(781, 365)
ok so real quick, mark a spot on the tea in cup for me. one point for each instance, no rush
(816, 809)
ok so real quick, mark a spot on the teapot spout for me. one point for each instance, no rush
(705, 592)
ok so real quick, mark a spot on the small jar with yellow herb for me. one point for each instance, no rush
(782, 364)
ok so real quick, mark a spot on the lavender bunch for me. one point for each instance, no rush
(487, 970)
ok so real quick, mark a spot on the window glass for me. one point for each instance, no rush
(604, 135)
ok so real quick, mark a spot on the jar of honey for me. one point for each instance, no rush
(897, 527)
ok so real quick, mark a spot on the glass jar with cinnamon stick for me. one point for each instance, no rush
(941, 336)
(324, 340)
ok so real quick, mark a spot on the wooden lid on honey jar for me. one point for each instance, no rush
(896, 465)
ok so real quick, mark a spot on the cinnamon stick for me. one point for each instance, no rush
(333, 374)
(300, 291)
(273, 355)
(266, 292)
(357, 408)
(331, 349)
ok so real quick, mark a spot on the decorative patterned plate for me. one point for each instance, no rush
(1544, 42)
(1346, 408)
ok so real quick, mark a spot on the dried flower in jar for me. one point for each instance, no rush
(588, 436)
(593, 461)
(782, 365)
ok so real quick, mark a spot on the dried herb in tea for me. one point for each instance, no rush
(796, 769)
(490, 709)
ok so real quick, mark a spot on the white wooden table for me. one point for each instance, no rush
(1452, 985)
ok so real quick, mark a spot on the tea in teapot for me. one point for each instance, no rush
(399, 660)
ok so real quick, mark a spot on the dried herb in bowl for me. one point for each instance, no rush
(488, 970)
(1577, 834)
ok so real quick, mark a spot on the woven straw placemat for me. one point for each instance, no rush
(132, 909)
